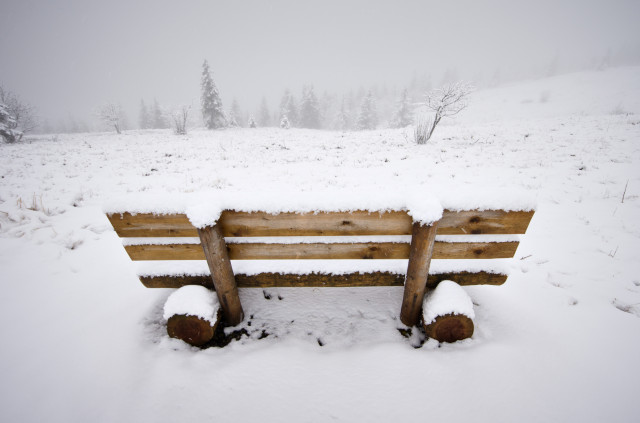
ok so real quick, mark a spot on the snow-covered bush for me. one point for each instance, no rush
(112, 115)
(284, 122)
(180, 119)
(421, 130)
(16, 117)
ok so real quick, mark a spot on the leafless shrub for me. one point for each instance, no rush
(180, 119)
(619, 110)
(446, 101)
(112, 115)
(421, 131)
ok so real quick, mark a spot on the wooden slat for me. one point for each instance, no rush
(493, 222)
(152, 225)
(315, 280)
(315, 224)
(363, 250)
(327, 224)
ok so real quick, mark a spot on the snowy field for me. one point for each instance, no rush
(83, 340)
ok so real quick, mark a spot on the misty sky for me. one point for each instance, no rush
(68, 57)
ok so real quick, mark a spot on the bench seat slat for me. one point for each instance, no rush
(347, 251)
(274, 280)
(234, 223)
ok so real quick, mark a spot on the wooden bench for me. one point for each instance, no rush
(422, 247)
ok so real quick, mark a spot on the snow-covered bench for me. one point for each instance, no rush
(341, 237)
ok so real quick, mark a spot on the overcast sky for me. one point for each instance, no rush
(66, 57)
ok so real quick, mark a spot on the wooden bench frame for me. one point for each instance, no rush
(422, 248)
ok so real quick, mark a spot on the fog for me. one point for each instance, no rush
(67, 58)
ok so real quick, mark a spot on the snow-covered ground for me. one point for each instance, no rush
(83, 340)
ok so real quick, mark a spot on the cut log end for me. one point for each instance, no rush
(450, 328)
(191, 329)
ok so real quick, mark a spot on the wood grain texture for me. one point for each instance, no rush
(152, 225)
(317, 280)
(191, 329)
(338, 251)
(314, 224)
(450, 328)
(422, 240)
(234, 223)
(484, 222)
(222, 276)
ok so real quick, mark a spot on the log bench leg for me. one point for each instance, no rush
(215, 250)
(422, 239)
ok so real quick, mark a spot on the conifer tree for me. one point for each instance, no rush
(368, 117)
(289, 108)
(235, 115)
(404, 111)
(212, 111)
(252, 122)
(8, 129)
(144, 118)
(309, 109)
(265, 116)
(159, 121)
(343, 120)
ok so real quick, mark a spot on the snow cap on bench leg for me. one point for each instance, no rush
(192, 313)
(447, 313)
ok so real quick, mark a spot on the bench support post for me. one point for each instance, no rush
(215, 250)
(422, 239)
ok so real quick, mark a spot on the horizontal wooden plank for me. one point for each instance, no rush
(322, 224)
(340, 251)
(152, 225)
(273, 280)
(315, 224)
(494, 222)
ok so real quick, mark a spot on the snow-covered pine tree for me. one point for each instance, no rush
(144, 119)
(289, 108)
(265, 116)
(327, 109)
(368, 117)
(252, 122)
(235, 116)
(404, 111)
(212, 111)
(284, 122)
(343, 119)
(157, 121)
(8, 124)
(231, 119)
(309, 109)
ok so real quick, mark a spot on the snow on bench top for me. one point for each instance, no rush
(448, 297)
(205, 211)
(328, 267)
(204, 208)
(193, 300)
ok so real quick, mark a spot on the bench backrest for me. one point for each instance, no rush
(358, 223)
